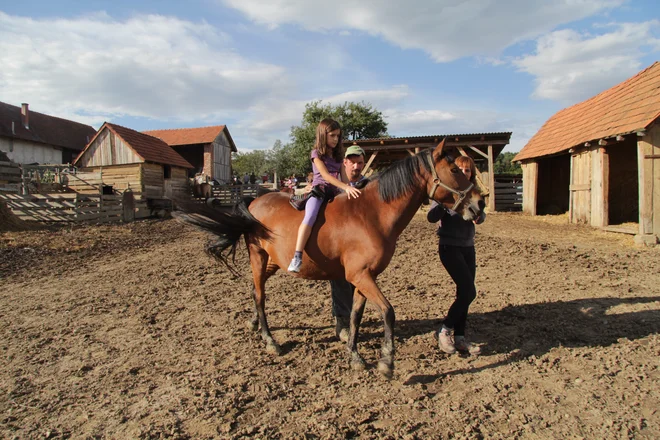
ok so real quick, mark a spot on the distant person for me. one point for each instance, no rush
(456, 249)
(246, 179)
(253, 178)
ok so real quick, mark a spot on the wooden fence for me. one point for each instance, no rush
(508, 192)
(231, 194)
(65, 207)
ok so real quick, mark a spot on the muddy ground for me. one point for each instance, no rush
(132, 331)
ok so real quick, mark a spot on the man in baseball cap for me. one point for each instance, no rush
(342, 290)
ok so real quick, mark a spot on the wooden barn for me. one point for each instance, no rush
(118, 158)
(29, 137)
(599, 160)
(208, 149)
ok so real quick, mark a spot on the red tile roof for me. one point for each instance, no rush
(150, 148)
(191, 136)
(44, 129)
(628, 107)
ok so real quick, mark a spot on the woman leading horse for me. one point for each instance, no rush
(386, 207)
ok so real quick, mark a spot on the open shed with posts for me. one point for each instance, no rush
(482, 147)
(119, 159)
(598, 160)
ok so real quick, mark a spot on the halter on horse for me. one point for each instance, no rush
(378, 217)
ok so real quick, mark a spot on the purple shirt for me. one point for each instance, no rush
(333, 166)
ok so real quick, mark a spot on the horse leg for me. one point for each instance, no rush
(370, 290)
(259, 262)
(357, 363)
(253, 323)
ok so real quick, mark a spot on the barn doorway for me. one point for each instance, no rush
(623, 206)
(553, 185)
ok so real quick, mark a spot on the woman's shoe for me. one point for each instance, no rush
(446, 341)
(461, 344)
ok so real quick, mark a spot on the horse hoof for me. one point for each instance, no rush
(252, 325)
(385, 369)
(358, 365)
(273, 349)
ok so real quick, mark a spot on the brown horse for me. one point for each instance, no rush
(384, 209)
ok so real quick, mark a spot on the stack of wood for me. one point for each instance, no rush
(10, 174)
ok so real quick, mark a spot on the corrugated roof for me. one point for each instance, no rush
(191, 136)
(628, 107)
(150, 148)
(44, 129)
(434, 136)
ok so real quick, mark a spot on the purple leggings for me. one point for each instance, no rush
(312, 210)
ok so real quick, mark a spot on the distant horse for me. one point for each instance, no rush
(354, 239)
(201, 186)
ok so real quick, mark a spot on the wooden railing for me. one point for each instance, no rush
(64, 207)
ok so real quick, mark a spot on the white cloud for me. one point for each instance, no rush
(445, 29)
(271, 119)
(570, 66)
(93, 68)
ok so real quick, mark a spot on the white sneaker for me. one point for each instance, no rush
(295, 264)
(446, 341)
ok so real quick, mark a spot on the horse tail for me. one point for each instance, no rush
(228, 225)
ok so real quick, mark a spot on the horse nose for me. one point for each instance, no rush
(482, 205)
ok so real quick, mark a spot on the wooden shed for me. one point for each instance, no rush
(599, 160)
(119, 158)
(208, 149)
(482, 147)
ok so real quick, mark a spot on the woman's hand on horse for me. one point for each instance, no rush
(352, 192)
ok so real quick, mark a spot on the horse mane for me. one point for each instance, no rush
(401, 177)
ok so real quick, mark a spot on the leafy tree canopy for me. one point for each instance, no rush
(503, 164)
(358, 121)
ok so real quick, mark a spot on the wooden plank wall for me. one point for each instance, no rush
(120, 177)
(108, 149)
(153, 180)
(579, 210)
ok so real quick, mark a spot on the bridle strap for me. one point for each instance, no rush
(436, 183)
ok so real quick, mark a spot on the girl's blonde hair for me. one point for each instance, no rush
(326, 126)
(467, 161)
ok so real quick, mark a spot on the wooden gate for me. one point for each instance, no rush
(579, 208)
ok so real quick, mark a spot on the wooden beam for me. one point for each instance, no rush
(602, 142)
(369, 162)
(462, 151)
(530, 186)
(491, 180)
(476, 150)
(410, 151)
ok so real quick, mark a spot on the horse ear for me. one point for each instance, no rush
(437, 152)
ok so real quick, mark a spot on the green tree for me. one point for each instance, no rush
(503, 164)
(255, 161)
(281, 159)
(358, 121)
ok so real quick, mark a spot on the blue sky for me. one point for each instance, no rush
(431, 66)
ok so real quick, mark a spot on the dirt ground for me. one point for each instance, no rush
(132, 331)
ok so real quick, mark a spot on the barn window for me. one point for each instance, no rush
(167, 171)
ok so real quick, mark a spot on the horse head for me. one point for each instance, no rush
(448, 185)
